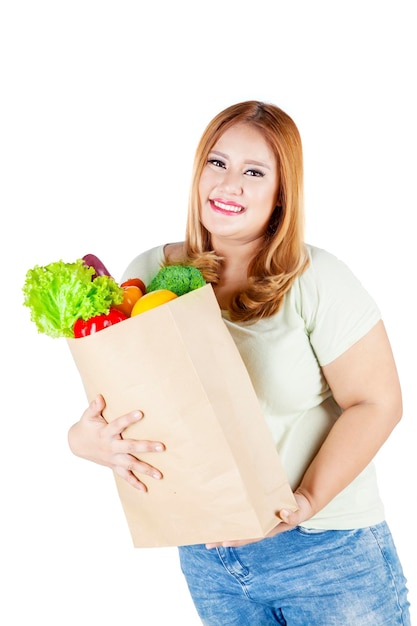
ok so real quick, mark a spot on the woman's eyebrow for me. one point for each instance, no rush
(247, 162)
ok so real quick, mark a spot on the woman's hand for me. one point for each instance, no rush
(365, 385)
(288, 520)
(94, 439)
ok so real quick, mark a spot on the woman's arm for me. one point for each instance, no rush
(365, 384)
(94, 439)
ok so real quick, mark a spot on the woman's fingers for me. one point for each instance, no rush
(122, 455)
(134, 447)
(138, 446)
(95, 407)
(130, 468)
(131, 479)
(119, 425)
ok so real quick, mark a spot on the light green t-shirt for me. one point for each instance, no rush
(326, 311)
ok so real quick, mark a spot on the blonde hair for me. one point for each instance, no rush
(283, 257)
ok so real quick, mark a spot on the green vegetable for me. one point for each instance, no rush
(60, 293)
(177, 278)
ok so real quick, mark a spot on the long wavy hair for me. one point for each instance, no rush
(283, 256)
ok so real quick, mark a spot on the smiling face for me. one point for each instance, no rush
(239, 186)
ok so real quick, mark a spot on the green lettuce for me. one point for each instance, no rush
(59, 293)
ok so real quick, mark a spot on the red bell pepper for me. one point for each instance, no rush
(82, 328)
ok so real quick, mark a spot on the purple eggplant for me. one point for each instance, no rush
(91, 260)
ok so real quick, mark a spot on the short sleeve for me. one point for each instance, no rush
(145, 265)
(336, 308)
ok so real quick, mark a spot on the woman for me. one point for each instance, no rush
(321, 363)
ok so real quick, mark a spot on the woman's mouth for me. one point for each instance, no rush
(226, 207)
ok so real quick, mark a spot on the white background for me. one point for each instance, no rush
(102, 105)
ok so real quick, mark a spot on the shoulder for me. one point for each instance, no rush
(146, 264)
(174, 252)
(321, 259)
(325, 269)
(336, 307)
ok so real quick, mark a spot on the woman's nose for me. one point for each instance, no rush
(231, 182)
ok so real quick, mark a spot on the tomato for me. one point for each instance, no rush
(137, 282)
(152, 299)
(130, 297)
(82, 328)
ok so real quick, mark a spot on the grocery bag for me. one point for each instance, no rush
(222, 476)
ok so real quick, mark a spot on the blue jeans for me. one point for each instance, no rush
(300, 578)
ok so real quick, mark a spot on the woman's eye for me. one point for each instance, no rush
(255, 173)
(216, 163)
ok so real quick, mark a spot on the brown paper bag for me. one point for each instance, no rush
(179, 364)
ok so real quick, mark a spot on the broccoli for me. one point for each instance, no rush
(177, 278)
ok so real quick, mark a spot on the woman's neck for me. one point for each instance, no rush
(234, 271)
(234, 268)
